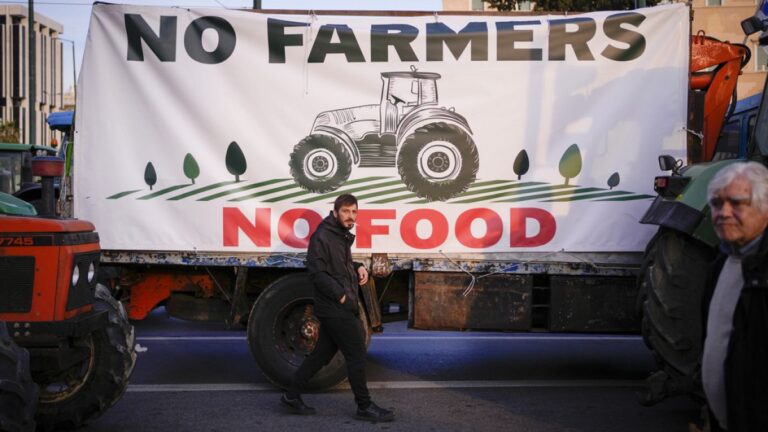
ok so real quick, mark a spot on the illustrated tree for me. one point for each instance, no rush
(521, 165)
(235, 160)
(570, 163)
(613, 180)
(150, 176)
(571, 5)
(9, 133)
(191, 169)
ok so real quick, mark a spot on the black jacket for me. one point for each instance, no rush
(331, 270)
(746, 364)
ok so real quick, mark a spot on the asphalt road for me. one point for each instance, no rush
(201, 377)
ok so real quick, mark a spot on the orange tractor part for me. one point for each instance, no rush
(715, 67)
(52, 250)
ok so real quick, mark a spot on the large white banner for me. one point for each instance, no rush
(226, 130)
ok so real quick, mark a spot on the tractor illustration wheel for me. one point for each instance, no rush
(438, 161)
(320, 163)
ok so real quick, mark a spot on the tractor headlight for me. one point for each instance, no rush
(75, 275)
(91, 272)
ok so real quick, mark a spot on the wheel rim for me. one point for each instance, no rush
(61, 387)
(439, 160)
(296, 331)
(320, 163)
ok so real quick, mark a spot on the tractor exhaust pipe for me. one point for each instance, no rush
(48, 167)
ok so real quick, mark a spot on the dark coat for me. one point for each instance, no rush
(331, 270)
(746, 364)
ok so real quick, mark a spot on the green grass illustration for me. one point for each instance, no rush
(383, 189)
(264, 192)
(242, 189)
(386, 190)
(122, 194)
(162, 192)
(507, 184)
(336, 193)
(201, 190)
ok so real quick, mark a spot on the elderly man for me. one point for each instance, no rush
(735, 359)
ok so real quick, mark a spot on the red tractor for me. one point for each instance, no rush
(59, 325)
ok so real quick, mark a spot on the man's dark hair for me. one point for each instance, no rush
(344, 200)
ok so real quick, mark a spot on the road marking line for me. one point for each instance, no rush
(406, 337)
(190, 338)
(510, 337)
(152, 388)
(155, 388)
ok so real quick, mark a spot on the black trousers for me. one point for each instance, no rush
(345, 334)
(714, 425)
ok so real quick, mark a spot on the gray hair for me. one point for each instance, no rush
(753, 172)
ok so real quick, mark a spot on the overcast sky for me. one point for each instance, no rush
(75, 14)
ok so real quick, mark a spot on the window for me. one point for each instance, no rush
(750, 128)
(761, 58)
(524, 5)
(2, 61)
(10, 172)
(714, 2)
(43, 69)
(728, 143)
(403, 90)
(477, 5)
(18, 66)
(428, 91)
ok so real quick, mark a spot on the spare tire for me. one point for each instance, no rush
(282, 331)
(18, 394)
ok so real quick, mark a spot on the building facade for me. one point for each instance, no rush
(722, 19)
(717, 18)
(480, 5)
(14, 71)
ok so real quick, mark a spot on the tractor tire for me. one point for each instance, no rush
(18, 393)
(438, 161)
(320, 163)
(672, 280)
(282, 331)
(70, 398)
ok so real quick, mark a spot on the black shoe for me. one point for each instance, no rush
(296, 405)
(374, 413)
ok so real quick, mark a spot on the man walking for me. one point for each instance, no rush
(735, 358)
(336, 280)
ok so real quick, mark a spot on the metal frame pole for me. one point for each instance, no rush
(32, 50)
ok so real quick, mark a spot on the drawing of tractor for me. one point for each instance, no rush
(431, 146)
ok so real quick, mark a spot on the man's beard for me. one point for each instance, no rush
(341, 224)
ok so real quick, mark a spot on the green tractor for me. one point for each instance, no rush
(16, 176)
(673, 272)
(431, 146)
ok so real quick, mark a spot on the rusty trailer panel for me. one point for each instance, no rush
(195, 258)
(445, 300)
(562, 262)
(593, 305)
